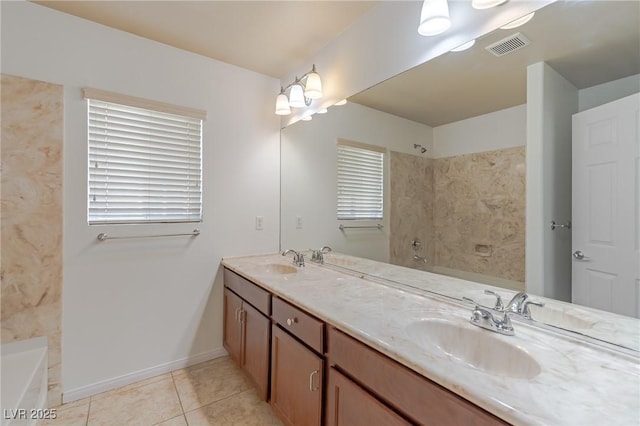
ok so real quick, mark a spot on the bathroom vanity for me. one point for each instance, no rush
(326, 346)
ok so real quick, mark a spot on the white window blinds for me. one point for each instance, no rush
(145, 165)
(360, 181)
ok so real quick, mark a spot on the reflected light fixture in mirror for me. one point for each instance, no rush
(301, 92)
(518, 22)
(434, 18)
(465, 46)
(486, 4)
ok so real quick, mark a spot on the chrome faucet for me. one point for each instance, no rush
(519, 304)
(484, 318)
(318, 255)
(298, 258)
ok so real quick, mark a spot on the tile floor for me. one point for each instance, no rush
(215, 392)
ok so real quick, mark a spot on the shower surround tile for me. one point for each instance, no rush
(468, 211)
(411, 208)
(480, 213)
(31, 216)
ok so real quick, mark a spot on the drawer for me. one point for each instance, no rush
(420, 399)
(256, 296)
(297, 322)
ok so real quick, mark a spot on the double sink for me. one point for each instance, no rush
(452, 335)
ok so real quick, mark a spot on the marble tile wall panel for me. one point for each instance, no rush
(411, 208)
(480, 203)
(31, 217)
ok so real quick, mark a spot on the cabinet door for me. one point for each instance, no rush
(350, 405)
(232, 330)
(255, 353)
(296, 380)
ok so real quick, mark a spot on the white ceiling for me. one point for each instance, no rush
(269, 37)
(588, 42)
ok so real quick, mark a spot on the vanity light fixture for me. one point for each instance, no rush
(323, 111)
(307, 118)
(465, 46)
(486, 4)
(301, 92)
(341, 102)
(434, 18)
(518, 22)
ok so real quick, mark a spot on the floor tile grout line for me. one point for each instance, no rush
(175, 386)
(86, 423)
(217, 401)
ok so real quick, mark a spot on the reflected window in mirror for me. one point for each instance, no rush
(360, 181)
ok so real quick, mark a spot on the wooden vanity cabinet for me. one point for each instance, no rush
(247, 329)
(350, 405)
(297, 365)
(410, 395)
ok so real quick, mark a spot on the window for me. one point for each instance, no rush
(360, 180)
(145, 160)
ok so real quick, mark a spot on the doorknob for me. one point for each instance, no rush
(579, 255)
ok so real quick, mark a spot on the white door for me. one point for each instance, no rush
(606, 202)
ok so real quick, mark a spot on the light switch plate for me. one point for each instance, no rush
(259, 223)
(299, 222)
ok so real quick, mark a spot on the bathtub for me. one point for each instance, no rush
(23, 369)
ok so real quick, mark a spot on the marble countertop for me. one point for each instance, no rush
(578, 383)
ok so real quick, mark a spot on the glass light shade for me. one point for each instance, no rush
(464, 46)
(296, 97)
(341, 102)
(307, 118)
(486, 4)
(434, 18)
(323, 111)
(313, 88)
(282, 105)
(518, 22)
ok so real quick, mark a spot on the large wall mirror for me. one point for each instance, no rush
(454, 131)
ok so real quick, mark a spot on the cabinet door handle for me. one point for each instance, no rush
(291, 321)
(242, 315)
(311, 388)
(237, 310)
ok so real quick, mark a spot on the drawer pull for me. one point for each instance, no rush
(311, 388)
(291, 321)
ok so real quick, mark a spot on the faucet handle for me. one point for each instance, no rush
(498, 306)
(325, 249)
(526, 312)
(467, 299)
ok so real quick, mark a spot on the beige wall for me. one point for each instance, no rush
(469, 211)
(31, 217)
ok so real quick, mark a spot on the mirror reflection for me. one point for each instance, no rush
(456, 162)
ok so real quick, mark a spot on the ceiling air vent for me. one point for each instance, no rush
(508, 45)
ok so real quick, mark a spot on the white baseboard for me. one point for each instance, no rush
(116, 382)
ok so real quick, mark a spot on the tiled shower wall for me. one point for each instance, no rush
(411, 208)
(477, 218)
(31, 217)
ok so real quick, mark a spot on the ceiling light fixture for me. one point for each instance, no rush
(464, 46)
(434, 18)
(518, 22)
(301, 92)
(486, 4)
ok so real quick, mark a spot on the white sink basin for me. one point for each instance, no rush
(478, 348)
(278, 268)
